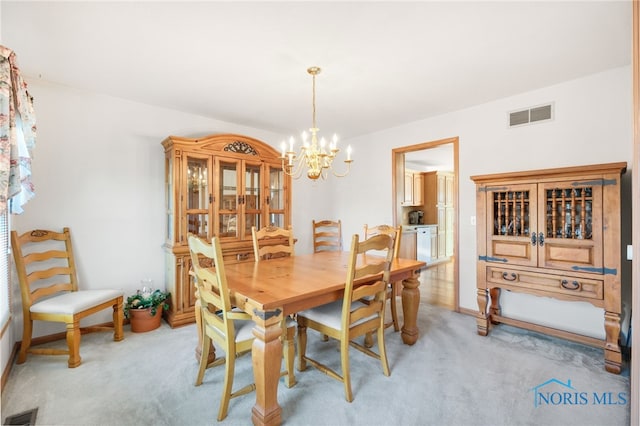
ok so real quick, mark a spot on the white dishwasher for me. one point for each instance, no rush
(424, 243)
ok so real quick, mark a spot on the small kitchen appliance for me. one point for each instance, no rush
(415, 217)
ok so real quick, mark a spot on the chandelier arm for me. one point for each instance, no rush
(295, 169)
(345, 173)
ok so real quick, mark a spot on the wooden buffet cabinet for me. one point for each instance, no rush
(553, 233)
(218, 185)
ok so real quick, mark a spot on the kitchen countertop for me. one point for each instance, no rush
(414, 228)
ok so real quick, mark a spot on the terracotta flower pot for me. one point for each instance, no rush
(141, 320)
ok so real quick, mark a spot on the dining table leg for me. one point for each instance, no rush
(266, 354)
(410, 304)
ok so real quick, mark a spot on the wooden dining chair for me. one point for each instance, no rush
(349, 318)
(49, 288)
(226, 325)
(271, 242)
(392, 292)
(327, 235)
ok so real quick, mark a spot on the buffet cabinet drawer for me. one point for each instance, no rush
(537, 282)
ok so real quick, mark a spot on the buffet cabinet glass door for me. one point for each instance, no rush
(552, 225)
(570, 215)
(512, 223)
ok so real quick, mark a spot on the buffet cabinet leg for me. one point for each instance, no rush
(612, 354)
(482, 319)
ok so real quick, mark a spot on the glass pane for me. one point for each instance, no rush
(569, 213)
(228, 225)
(228, 187)
(511, 213)
(198, 224)
(168, 196)
(252, 188)
(276, 189)
(251, 220)
(276, 220)
(197, 185)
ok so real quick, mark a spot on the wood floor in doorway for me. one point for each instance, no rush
(437, 285)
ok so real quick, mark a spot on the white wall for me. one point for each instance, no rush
(592, 125)
(99, 169)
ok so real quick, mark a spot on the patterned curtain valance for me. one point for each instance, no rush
(17, 135)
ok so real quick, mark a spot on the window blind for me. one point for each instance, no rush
(5, 307)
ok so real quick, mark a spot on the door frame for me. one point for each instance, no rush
(397, 171)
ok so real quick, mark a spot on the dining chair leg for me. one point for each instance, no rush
(302, 344)
(346, 373)
(289, 355)
(118, 320)
(26, 341)
(382, 349)
(394, 307)
(229, 371)
(73, 343)
(203, 359)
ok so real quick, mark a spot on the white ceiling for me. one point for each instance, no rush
(384, 63)
(426, 160)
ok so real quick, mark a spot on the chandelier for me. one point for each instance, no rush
(316, 157)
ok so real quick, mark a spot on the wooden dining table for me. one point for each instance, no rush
(269, 290)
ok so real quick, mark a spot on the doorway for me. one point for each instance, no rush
(439, 280)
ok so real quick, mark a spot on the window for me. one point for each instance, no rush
(4, 269)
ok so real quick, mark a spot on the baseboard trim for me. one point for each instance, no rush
(7, 371)
(468, 311)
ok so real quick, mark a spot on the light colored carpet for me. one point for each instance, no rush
(451, 376)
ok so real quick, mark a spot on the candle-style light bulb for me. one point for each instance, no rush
(349, 153)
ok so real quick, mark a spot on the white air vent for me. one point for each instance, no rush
(531, 115)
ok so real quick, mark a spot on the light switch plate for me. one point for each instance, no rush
(629, 252)
(473, 221)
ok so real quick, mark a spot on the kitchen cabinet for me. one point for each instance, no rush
(408, 245)
(552, 233)
(413, 188)
(439, 209)
(219, 185)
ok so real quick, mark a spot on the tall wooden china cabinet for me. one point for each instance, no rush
(553, 233)
(218, 185)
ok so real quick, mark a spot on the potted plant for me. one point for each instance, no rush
(144, 309)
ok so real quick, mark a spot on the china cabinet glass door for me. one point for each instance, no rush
(276, 199)
(169, 197)
(229, 180)
(198, 196)
(252, 198)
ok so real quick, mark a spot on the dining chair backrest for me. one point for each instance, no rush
(327, 235)
(394, 232)
(272, 241)
(211, 281)
(380, 243)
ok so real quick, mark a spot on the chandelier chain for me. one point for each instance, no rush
(314, 100)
